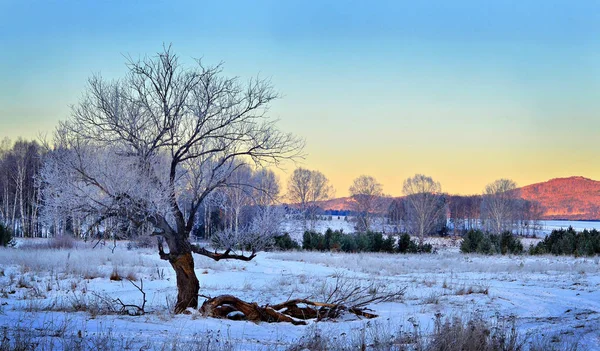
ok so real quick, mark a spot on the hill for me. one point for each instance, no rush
(574, 198)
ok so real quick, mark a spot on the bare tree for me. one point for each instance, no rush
(367, 200)
(306, 188)
(527, 216)
(499, 205)
(152, 146)
(424, 205)
(266, 188)
(465, 212)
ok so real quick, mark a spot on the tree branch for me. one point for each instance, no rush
(227, 255)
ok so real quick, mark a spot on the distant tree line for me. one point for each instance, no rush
(252, 196)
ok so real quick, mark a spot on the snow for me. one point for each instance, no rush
(548, 226)
(554, 296)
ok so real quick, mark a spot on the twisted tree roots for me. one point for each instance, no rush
(296, 311)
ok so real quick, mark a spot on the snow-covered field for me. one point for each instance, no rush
(548, 226)
(63, 296)
(294, 227)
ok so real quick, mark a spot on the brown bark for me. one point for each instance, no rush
(222, 306)
(180, 257)
(188, 285)
(187, 282)
(230, 307)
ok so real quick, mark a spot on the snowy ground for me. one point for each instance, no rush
(347, 225)
(548, 226)
(62, 295)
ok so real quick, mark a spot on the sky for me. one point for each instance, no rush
(466, 92)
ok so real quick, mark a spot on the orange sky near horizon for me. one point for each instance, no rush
(465, 92)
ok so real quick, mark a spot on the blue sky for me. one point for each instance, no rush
(385, 88)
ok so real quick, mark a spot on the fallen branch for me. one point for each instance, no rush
(134, 310)
(292, 311)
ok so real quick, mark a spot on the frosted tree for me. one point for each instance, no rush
(306, 188)
(150, 147)
(367, 200)
(258, 218)
(237, 196)
(424, 205)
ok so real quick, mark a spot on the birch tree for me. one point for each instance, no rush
(424, 205)
(306, 188)
(498, 205)
(19, 193)
(367, 194)
(150, 147)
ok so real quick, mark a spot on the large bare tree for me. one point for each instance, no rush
(306, 188)
(367, 200)
(153, 145)
(424, 205)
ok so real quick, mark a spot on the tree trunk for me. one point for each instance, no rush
(188, 285)
(180, 257)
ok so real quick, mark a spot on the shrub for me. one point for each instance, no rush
(406, 245)
(143, 242)
(474, 334)
(285, 243)
(375, 241)
(388, 244)
(510, 244)
(491, 244)
(569, 242)
(61, 242)
(471, 240)
(6, 238)
(362, 242)
(313, 241)
(425, 248)
(348, 243)
(333, 239)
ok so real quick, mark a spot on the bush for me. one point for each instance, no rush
(510, 244)
(313, 241)
(475, 241)
(6, 238)
(336, 240)
(333, 240)
(569, 242)
(474, 334)
(285, 243)
(471, 240)
(362, 242)
(348, 243)
(143, 242)
(388, 244)
(406, 245)
(425, 248)
(61, 242)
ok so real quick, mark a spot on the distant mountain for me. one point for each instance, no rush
(337, 204)
(574, 198)
(345, 203)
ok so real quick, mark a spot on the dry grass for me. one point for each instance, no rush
(472, 289)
